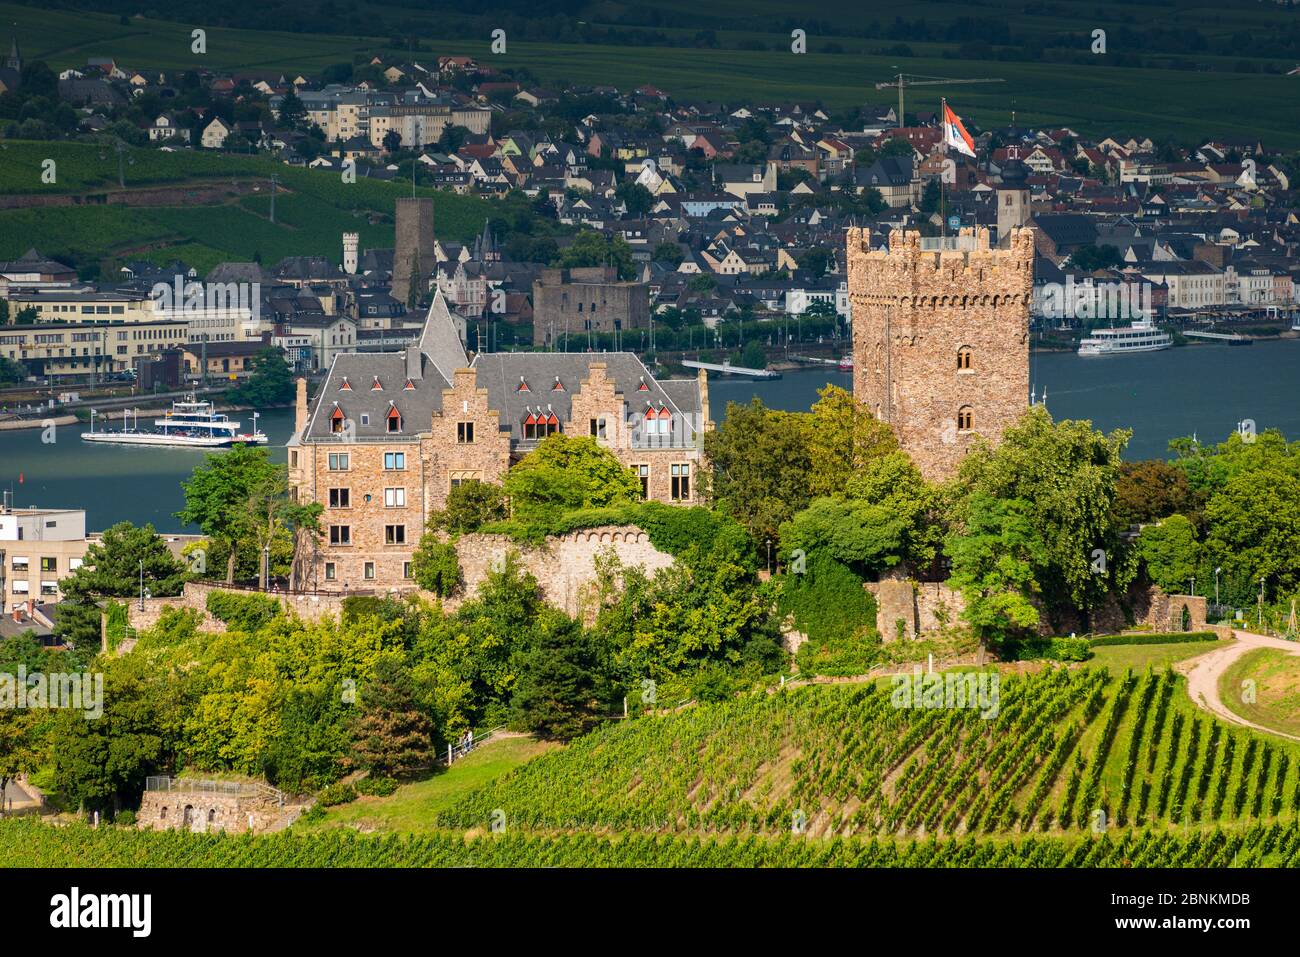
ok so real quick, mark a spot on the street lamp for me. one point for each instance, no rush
(1261, 603)
(142, 584)
(1193, 586)
(266, 567)
(1216, 585)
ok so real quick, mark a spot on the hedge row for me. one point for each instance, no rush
(1155, 638)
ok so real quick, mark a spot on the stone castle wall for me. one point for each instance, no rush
(914, 311)
(201, 812)
(564, 566)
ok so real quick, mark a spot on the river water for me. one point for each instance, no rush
(1204, 390)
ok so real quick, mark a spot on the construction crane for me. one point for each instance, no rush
(910, 79)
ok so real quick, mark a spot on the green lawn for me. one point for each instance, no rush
(1119, 657)
(1276, 691)
(412, 808)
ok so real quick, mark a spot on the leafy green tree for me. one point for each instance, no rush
(111, 567)
(1170, 552)
(1090, 258)
(567, 472)
(16, 747)
(816, 260)
(103, 763)
(392, 735)
(435, 566)
(753, 356)
(470, 506)
(669, 254)
(1066, 474)
(638, 200)
(843, 437)
(993, 561)
(1253, 532)
(270, 383)
(312, 741)
(746, 482)
(556, 696)
(590, 248)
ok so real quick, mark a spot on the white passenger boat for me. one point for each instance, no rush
(193, 423)
(1139, 337)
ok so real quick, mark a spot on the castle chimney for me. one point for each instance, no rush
(414, 367)
(300, 407)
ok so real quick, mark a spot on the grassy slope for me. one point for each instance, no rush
(1119, 657)
(412, 808)
(1277, 688)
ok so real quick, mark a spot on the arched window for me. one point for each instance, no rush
(963, 357)
(965, 418)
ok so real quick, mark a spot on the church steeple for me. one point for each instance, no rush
(14, 61)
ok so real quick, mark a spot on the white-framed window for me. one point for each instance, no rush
(331, 571)
(395, 498)
(338, 461)
(368, 571)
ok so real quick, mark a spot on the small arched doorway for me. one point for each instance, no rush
(1185, 620)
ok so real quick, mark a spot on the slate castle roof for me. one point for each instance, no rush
(365, 386)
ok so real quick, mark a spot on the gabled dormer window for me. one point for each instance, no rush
(409, 387)
(522, 386)
(558, 386)
(346, 385)
(375, 386)
(336, 420)
(643, 387)
(394, 419)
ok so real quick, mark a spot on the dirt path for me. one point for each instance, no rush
(1204, 671)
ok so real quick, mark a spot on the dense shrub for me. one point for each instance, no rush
(1155, 638)
(436, 567)
(827, 600)
(1053, 649)
(376, 786)
(338, 793)
(244, 612)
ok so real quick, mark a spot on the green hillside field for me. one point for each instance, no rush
(1072, 87)
(313, 208)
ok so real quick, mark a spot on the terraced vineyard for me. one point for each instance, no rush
(26, 843)
(1065, 748)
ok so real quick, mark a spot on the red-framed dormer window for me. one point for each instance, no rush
(336, 420)
(522, 386)
(375, 386)
(643, 387)
(346, 386)
(409, 386)
(559, 386)
(393, 419)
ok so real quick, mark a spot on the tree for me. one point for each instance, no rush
(590, 248)
(1170, 552)
(567, 472)
(11, 372)
(16, 742)
(392, 141)
(292, 110)
(435, 566)
(1066, 474)
(1152, 489)
(843, 437)
(269, 384)
(1253, 531)
(993, 562)
(556, 697)
(816, 260)
(112, 566)
(753, 356)
(638, 200)
(392, 735)
(670, 254)
(745, 481)
(103, 763)
(1090, 258)
(470, 506)
(239, 499)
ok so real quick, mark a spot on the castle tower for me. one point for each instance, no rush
(350, 243)
(413, 251)
(941, 338)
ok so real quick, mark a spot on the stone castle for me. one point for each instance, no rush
(390, 434)
(941, 338)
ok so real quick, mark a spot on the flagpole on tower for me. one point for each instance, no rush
(943, 119)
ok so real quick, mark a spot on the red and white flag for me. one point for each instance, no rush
(954, 133)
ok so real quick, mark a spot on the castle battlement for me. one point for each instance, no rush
(941, 337)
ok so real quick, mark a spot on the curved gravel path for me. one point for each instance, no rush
(1204, 671)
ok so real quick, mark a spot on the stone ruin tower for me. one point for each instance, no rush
(941, 338)
(413, 251)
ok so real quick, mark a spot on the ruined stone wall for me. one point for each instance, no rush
(565, 567)
(925, 608)
(1166, 612)
(202, 812)
(914, 312)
